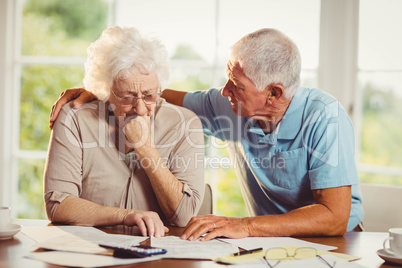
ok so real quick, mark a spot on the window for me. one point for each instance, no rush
(53, 38)
(380, 92)
(45, 47)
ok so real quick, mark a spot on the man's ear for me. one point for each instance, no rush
(275, 92)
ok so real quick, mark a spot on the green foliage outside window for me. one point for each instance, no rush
(49, 28)
(41, 86)
(30, 198)
(381, 133)
(62, 27)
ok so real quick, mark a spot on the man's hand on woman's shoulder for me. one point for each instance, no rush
(78, 94)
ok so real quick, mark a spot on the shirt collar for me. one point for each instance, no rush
(254, 127)
(292, 120)
(270, 138)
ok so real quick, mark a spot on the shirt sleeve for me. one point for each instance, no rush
(212, 109)
(63, 168)
(330, 141)
(186, 162)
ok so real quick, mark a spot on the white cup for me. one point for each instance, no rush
(395, 242)
(4, 217)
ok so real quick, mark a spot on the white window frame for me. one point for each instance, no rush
(338, 68)
(7, 99)
(337, 73)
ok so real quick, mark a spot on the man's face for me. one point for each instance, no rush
(246, 100)
(127, 93)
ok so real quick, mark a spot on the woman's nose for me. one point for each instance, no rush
(141, 108)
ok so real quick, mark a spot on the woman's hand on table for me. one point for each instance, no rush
(149, 223)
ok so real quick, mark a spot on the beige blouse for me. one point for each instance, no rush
(83, 160)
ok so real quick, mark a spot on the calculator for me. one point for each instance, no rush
(134, 251)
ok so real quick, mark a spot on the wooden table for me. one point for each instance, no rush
(362, 244)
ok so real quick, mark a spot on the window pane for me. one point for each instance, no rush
(309, 79)
(188, 33)
(380, 80)
(40, 87)
(297, 19)
(229, 198)
(176, 22)
(380, 178)
(379, 34)
(61, 27)
(30, 189)
(221, 175)
(381, 130)
(49, 28)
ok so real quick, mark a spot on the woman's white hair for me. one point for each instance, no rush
(268, 56)
(116, 52)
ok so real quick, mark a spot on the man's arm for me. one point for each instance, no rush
(329, 217)
(174, 96)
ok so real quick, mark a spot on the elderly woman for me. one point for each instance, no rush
(129, 158)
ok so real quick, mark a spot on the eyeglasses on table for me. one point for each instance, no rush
(274, 256)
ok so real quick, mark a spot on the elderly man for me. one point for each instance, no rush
(292, 147)
(129, 158)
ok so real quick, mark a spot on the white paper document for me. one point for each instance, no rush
(184, 249)
(84, 260)
(77, 238)
(43, 233)
(274, 242)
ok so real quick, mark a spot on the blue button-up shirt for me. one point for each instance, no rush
(312, 148)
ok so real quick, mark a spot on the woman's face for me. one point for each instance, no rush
(135, 94)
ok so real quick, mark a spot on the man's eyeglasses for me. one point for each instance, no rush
(274, 256)
(132, 100)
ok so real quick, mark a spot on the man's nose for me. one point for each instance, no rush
(227, 89)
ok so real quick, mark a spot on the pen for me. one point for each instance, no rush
(247, 252)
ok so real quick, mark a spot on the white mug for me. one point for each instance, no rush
(4, 217)
(395, 242)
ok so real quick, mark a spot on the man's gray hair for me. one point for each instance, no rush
(268, 56)
(118, 50)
